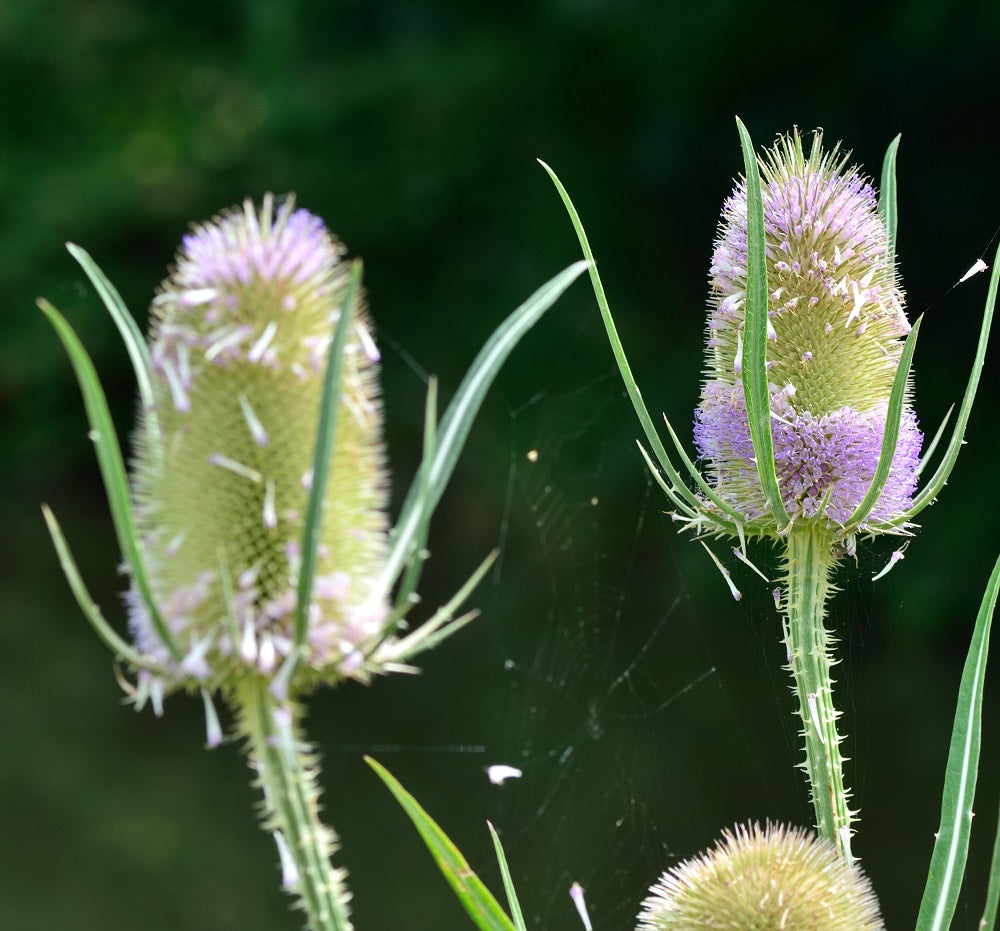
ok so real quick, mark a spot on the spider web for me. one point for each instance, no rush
(645, 709)
(598, 670)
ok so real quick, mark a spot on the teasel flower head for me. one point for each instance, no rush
(253, 526)
(763, 878)
(222, 466)
(835, 332)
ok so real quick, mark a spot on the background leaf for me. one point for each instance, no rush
(951, 844)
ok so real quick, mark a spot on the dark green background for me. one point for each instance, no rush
(412, 128)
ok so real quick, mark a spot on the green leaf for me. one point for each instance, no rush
(326, 434)
(887, 197)
(477, 900)
(758, 397)
(893, 417)
(508, 883)
(951, 847)
(931, 490)
(109, 458)
(432, 477)
(989, 918)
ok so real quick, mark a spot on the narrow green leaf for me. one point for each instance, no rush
(508, 882)
(326, 434)
(135, 345)
(411, 578)
(684, 510)
(951, 846)
(933, 444)
(709, 492)
(758, 397)
(477, 900)
(989, 919)
(441, 626)
(635, 395)
(109, 458)
(887, 197)
(931, 490)
(90, 610)
(426, 489)
(893, 418)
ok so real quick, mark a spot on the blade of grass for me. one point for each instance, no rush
(508, 883)
(951, 846)
(112, 466)
(477, 900)
(758, 397)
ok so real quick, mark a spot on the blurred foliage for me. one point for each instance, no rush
(412, 127)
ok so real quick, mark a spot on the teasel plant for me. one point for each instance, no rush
(759, 443)
(807, 438)
(253, 526)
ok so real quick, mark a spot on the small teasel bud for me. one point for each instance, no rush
(222, 465)
(836, 328)
(763, 878)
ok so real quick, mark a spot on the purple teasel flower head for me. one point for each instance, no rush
(222, 465)
(835, 328)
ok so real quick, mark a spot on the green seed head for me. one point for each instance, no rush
(239, 341)
(763, 879)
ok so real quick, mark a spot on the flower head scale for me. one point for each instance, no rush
(757, 879)
(835, 328)
(241, 331)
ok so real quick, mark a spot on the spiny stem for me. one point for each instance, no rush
(286, 772)
(809, 564)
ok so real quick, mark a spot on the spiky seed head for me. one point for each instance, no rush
(239, 339)
(836, 327)
(763, 879)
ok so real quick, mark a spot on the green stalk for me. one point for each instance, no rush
(286, 771)
(808, 567)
